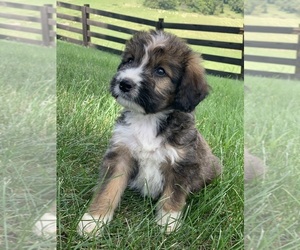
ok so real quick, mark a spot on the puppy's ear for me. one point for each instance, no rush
(193, 87)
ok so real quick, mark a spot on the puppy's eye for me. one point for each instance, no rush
(130, 60)
(160, 71)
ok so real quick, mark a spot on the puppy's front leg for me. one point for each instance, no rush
(170, 207)
(116, 171)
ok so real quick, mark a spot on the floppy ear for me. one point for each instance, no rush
(193, 87)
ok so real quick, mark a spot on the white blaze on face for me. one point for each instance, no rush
(135, 74)
(158, 41)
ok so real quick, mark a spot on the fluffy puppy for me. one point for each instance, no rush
(155, 147)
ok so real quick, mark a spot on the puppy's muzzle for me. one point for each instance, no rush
(126, 85)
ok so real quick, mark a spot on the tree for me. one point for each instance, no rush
(206, 7)
(289, 6)
(161, 4)
(249, 6)
(236, 5)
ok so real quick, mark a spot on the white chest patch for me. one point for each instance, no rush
(150, 150)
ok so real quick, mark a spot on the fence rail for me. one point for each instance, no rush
(42, 24)
(89, 33)
(89, 39)
(38, 28)
(275, 58)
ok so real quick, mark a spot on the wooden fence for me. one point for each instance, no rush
(42, 25)
(36, 28)
(87, 25)
(89, 37)
(273, 52)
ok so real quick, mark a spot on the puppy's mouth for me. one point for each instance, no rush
(130, 105)
(126, 92)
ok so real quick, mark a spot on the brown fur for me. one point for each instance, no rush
(196, 156)
(114, 179)
(185, 85)
(253, 167)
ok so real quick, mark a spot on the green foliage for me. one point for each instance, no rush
(206, 7)
(161, 4)
(262, 6)
(249, 6)
(236, 5)
(289, 6)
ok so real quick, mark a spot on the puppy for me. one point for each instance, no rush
(155, 147)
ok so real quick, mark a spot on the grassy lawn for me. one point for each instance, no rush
(27, 141)
(86, 115)
(272, 119)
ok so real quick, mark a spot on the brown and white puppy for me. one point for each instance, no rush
(155, 147)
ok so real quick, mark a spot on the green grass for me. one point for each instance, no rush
(27, 141)
(86, 115)
(272, 119)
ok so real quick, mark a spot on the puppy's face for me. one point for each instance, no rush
(158, 72)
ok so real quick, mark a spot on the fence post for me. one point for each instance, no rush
(85, 27)
(51, 23)
(46, 27)
(297, 70)
(242, 31)
(160, 24)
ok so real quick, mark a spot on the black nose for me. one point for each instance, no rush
(125, 86)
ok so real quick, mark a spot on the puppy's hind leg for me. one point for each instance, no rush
(107, 196)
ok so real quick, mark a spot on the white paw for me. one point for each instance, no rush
(46, 226)
(170, 221)
(91, 225)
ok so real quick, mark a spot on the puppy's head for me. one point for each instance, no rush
(159, 72)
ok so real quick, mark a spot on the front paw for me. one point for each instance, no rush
(92, 225)
(169, 221)
(46, 226)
